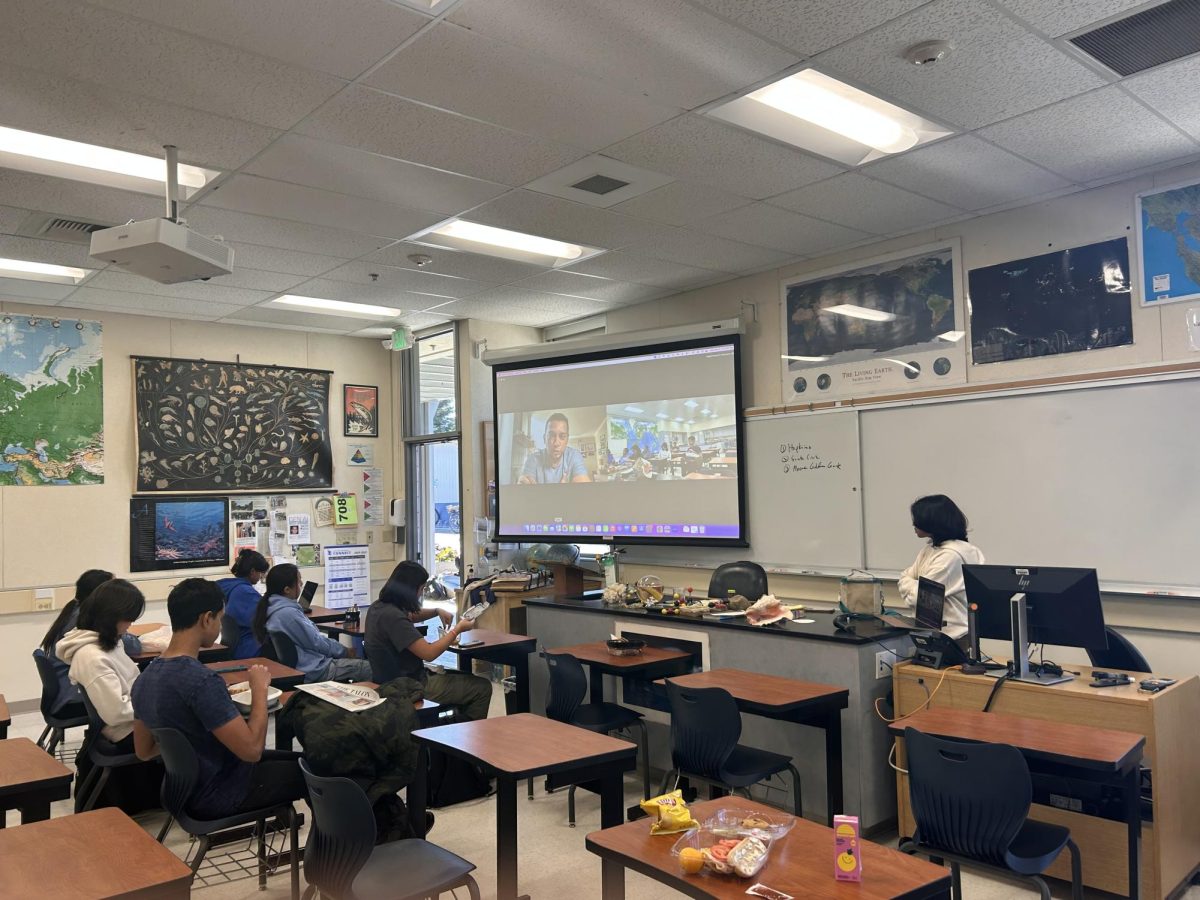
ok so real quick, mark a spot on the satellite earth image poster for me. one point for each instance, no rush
(1169, 244)
(891, 324)
(51, 402)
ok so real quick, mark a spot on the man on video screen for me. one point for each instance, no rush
(558, 463)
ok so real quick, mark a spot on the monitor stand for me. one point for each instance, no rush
(1020, 638)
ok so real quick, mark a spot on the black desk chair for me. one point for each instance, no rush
(705, 727)
(746, 578)
(342, 861)
(1121, 654)
(178, 787)
(285, 649)
(564, 703)
(104, 756)
(971, 805)
(72, 715)
(231, 632)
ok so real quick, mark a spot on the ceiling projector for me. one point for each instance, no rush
(163, 251)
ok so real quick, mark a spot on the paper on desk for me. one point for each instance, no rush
(344, 696)
(156, 641)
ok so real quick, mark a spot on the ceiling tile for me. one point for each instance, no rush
(626, 266)
(966, 172)
(41, 291)
(273, 315)
(589, 286)
(521, 308)
(150, 304)
(780, 229)
(11, 218)
(59, 253)
(667, 50)
(257, 279)
(564, 220)
(814, 26)
(702, 149)
(263, 196)
(419, 320)
(333, 167)
(393, 126)
(288, 262)
(1081, 140)
(342, 37)
(476, 266)
(76, 41)
(418, 280)
(1063, 16)
(456, 69)
(75, 198)
(681, 203)
(63, 107)
(859, 202)
(707, 252)
(205, 292)
(268, 232)
(1171, 90)
(378, 295)
(997, 69)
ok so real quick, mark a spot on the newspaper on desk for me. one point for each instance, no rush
(344, 696)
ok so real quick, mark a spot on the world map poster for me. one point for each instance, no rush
(51, 402)
(227, 427)
(1169, 244)
(894, 324)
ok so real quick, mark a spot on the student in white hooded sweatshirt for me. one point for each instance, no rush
(97, 659)
(939, 519)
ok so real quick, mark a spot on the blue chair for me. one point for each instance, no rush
(1121, 654)
(104, 756)
(72, 715)
(178, 788)
(971, 806)
(705, 727)
(342, 861)
(564, 703)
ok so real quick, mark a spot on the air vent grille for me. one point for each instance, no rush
(57, 228)
(1146, 39)
(600, 185)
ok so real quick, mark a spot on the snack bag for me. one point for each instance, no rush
(670, 812)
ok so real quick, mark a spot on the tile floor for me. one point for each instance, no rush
(553, 863)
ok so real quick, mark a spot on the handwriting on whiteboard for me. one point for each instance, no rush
(796, 457)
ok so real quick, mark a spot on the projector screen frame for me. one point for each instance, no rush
(617, 353)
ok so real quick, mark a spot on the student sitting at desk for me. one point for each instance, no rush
(396, 649)
(176, 691)
(937, 518)
(321, 658)
(241, 599)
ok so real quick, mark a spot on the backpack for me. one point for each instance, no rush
(454, 780)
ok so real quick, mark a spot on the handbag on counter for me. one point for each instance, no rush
(861, 595)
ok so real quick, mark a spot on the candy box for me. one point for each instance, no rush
(847, 860)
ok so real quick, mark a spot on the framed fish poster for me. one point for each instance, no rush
(230, 428)
(360, 405)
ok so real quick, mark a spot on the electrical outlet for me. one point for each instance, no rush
(370, 535)
(43, 604)
(883, 668)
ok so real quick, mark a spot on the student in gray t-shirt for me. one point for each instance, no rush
(558, 463)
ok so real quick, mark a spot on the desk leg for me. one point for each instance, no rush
(416, 793)
(613, 884)
(612, 814)
(1133, 818)
(284, 736)
(521, 671)
(596, 677)
(35, 811)
(506, 838)
(833, 765)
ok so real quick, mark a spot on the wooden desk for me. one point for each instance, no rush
(215, 653)
(30, 780)
(790, 700)
(1056, 748)
(1171, 843)
(651, 663)
(102, 853)
(800, 864)
(282, 677)
(137, 629)
(5, 718)
(522, 746)
(505, 650)
(324, 614)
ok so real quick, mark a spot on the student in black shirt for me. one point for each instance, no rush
(396, 649)
(235, 771)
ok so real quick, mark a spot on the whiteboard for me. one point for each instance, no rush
(1103, 477)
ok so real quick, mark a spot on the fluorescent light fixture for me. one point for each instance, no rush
(60, 158)
(690, 404)
(952, 336)
(36, 271)
(706, 411)
(337, 307)
(805, 358)
(473, 237)
(634, 409)
(678, 419)
(661, 416)
(691, 421)
(819, 113)
(860, 312)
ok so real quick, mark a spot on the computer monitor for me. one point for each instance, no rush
(1036, 605)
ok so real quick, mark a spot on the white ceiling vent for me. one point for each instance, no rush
(1152, 37)
(599, 181)
(50, 227)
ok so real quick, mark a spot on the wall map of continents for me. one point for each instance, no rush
(227, 427)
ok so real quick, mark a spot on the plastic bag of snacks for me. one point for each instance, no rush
(670, 812)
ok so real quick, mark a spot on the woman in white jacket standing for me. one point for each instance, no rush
(97, 659)
(939, 519)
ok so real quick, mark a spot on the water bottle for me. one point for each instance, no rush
(352, 618)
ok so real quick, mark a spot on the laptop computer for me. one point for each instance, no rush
(306, 595)
(931, 602)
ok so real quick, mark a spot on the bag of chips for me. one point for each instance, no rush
(670, 812)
